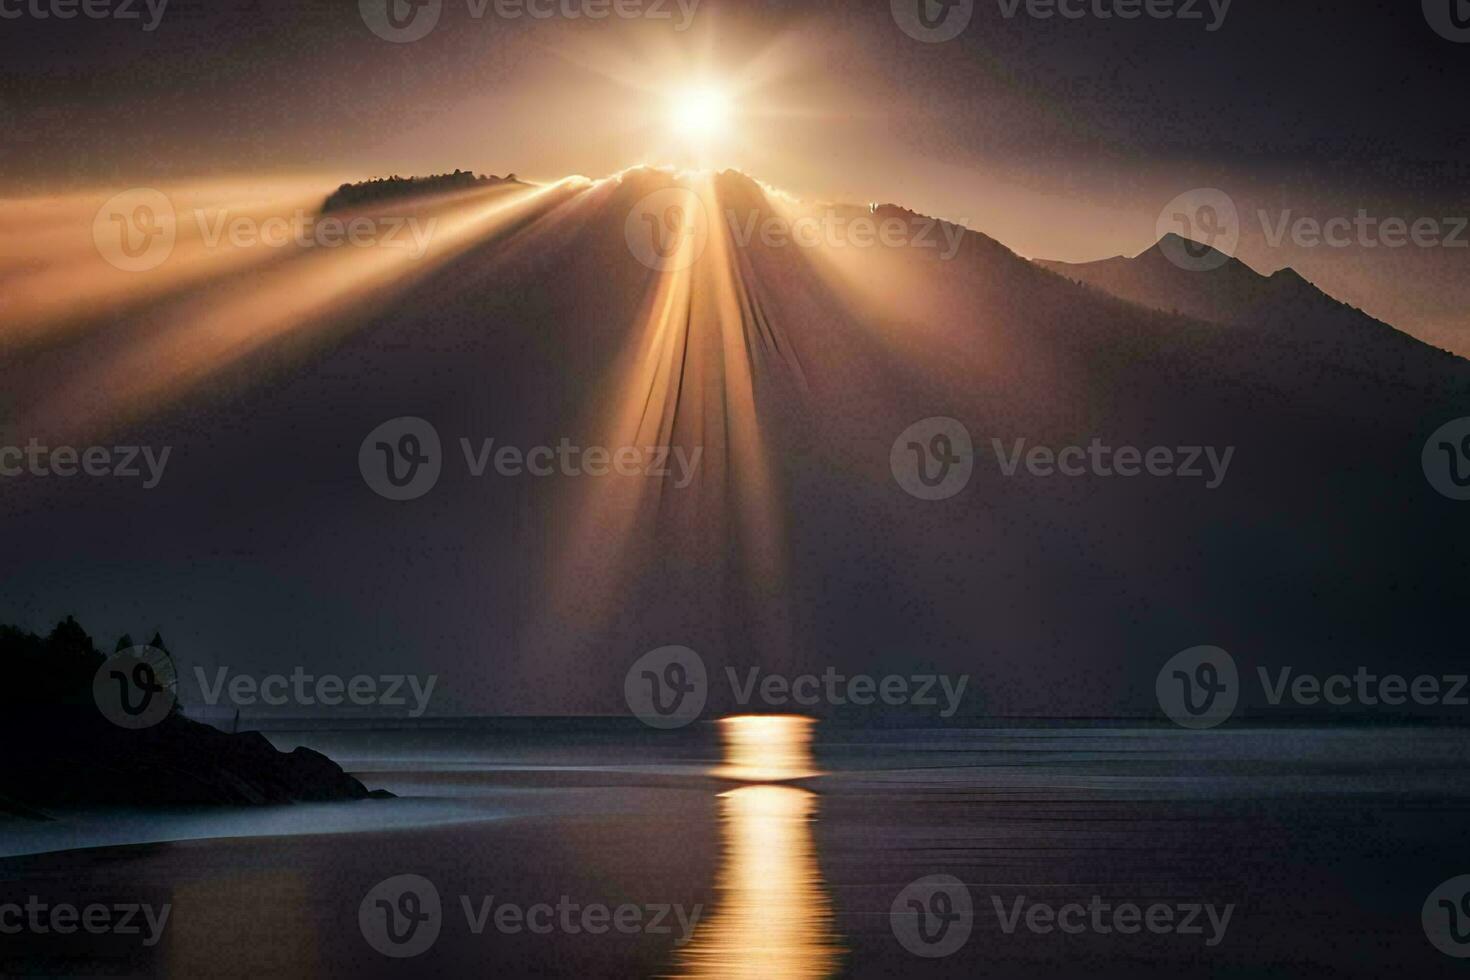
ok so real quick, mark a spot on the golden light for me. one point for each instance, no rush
(767, 748)
(215, 304)
(773, 919)
(701, 113)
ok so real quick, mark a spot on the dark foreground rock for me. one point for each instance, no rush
(61, 750)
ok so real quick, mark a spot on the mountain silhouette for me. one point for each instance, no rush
(1224, 290)
(794, 369)
(398, 188)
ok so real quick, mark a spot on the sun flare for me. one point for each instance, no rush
(700, 113)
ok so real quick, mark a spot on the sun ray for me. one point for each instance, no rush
(135, 370)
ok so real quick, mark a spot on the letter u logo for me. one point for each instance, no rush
(940, 910)
(1207, 677)
(396, 17)
(410, 450)
(1452, 462)
(1460, 14)
(146, 224)
(676, 678)
(665, 235)
(928, 19)
(402, 922)
(1458, 918)
(941, 449)
(145, 680)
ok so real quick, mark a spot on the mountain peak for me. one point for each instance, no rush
(1176, 244)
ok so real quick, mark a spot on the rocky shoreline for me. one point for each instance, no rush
(64, 750)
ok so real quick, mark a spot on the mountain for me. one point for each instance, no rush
(787, 348)
(392, 188)
(1205, 283)
(1181, 276)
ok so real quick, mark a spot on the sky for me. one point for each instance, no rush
(1062, 136)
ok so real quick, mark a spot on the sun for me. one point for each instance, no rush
(701, 113)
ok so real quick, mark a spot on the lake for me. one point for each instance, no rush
(780, 848)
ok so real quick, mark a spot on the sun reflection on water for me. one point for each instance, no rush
(766, 748)
(772, 918)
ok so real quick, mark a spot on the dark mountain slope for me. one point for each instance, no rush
(793, 370)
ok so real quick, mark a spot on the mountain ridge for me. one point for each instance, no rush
(794, 370)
